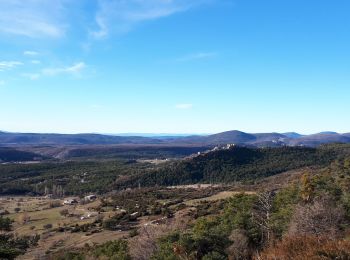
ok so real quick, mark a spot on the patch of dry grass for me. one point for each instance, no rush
(219, 196)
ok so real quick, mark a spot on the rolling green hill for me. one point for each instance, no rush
(238, 164)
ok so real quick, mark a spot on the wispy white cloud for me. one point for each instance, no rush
(2, 83)
(31, 76)
(32, 18)
(75, 69)
(35, 61)
(197, 56)
(184, 106)
(7, 65)
(121, 16)
(30, 53)
(52, 18)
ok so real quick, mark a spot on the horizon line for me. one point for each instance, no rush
(164, 134)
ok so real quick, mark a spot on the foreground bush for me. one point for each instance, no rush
(117, 250)
(12, 246)
(111, 250)
(307, 247)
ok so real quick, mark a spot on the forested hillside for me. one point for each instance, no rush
(237, 164)
(13, 155)
(133, 152)
(71, 177)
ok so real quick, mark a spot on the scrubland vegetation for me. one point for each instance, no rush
(267, 203)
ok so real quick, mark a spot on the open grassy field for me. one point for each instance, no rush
(43, 216)
(31, 214)
(65, 241)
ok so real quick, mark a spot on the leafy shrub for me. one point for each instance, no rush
(55, 204)
(47, 226)
(11, 247)
(5, 224)
(113, 250)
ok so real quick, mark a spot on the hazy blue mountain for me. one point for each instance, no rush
(262, 137)
(72, 139)
(235, 137)
(328, 133)
(230, 137)
(321, 138)
(292, 135)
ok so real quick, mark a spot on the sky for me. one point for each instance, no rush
(174, 66)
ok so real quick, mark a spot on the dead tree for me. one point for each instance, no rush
(262, 215)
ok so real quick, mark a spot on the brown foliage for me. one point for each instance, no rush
(64, 212)
(144, 244)
(307, 188)
(322, 217)
(25, 218)
(239, 249)
(305, 248)
(55, 204)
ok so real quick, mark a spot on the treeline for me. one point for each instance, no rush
(74, 177)
(237, 164)
(134, 152)
(13, 155)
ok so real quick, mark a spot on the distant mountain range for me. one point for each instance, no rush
(7, 138)
(235, 137)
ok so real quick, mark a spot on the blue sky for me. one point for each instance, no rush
(174, 66)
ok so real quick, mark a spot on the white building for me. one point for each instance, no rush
(70, 202)
(90, 197)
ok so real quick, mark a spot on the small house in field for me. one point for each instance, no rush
(91, 197)
(70, 202)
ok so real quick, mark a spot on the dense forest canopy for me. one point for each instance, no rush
(238, 164)
(232, 165)
(13, 155)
